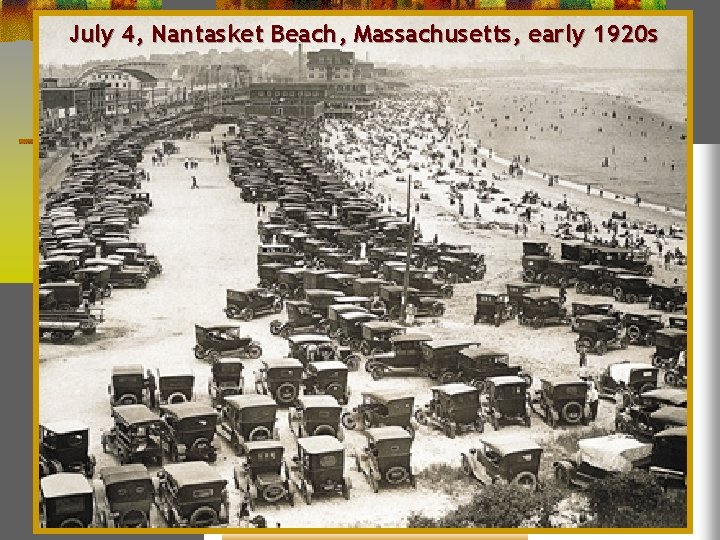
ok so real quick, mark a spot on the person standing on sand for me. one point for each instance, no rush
(517, 229)
(194, 183)
(525, 229)
(593, 398)
(258, 209)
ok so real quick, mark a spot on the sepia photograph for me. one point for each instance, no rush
(363, 271)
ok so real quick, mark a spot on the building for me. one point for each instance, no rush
(330, 65)
(296, 99)
(81, 103)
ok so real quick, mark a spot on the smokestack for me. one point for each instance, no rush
(300, 62)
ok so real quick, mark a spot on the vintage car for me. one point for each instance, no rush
(268, 273)
(477, 364)
(669, 457)
(507, 400)
(368, 286)
(540, 309)
(506, 458)
(534, 268)
(454, 409)
(300, 319)
(382, 408)
(281, 378)
(562, 400)
(226, 380)
(461, 267)
(192, 494)
(349, 331)
(214, 342)
(319, 468)
(263, 476)
(579, 309)
(493, 308)
(593, 279)
(122, 275)
(422, 280)
(441, 358)
(124, 495)
(246, 305)
(97, 276)
(66, 501)
(248, 417)
(391, 296)
(669, 343)
(598, 333)
(64, 448)
(136, 435)
(537, 249)
(321, 299)
(631, 288)
(127, 385)
(174, 387)
(667, 297)
(311, 348)
(329, 377)
(290, 283)
(628, 378)
(190, 431)
(405, 358)
(316, 415)
(599, 457)
(332, 322)
(376, 336)
(516, 291)
(67, 296)
(386, 458)
(641, 328)
(560, 273)
(649, 416)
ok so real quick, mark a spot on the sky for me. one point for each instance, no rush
(668, 52)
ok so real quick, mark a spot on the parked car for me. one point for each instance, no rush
(127, 385)
(281, 378)
(645, 419)
(190, 431)
(562, 400)
(631, 288)
(175, 387)
(641, 328)
(382, 408)
(597, 333)
(64, 448)
(516, 291)
(669, 343)
(667, 297)
(477, 364)
(349, 328)
(507, 400)
(135, 435)
(391, 295)
(493, 308)
(247, 304)
(263, 476)
(441, 358)
(507, 458)
(316, 415)
(579, 309)
(599, 457)
(386, 458)
(669, 457)
(248, 417)
(628, 378)
(376, 336)
(454, 409)
(300, 319)
(405, 358)
(66, 501)
(319, 468)
(329, 378)
(311, 348)
(539, 309)
(192, 494)
(124, 495)
(226, 380)
(214, 342)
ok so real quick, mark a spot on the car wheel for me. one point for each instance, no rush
(254, 351)
(348, 421)
(286, 393)
(203, 517)
(377, 373)
(231, 312)
(396, 475)
(133, 519)
(671, 379)
(537, 322)
(247, 314)
(631, 298)
(526, 480)
(572, 412)
(634, 332)
(275, 327)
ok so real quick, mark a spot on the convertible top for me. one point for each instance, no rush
(616, 453)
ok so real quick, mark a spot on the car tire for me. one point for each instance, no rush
(254, 351)
(634, 332)
(275, 327)
(260, 433)
(285, 393)
(176, 397)
(203, 517)
(133, 519)
(348, 421)
(377, 373)
(72, 523)
(324, 429)
(396, 475)
(128, 399)
(273, 493)
(572, 412)
(247, 314)
(526, 480)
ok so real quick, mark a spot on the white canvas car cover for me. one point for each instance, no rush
(621, 372)
(615, 453)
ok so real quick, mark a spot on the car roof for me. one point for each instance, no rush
(123, 473)
(388, 394)
(449, 343)
(309, 338)
(670, 413)
(269, 444)
(249, 400)
(476, 352)
(452, 389)
(411, 337)
(323, 292)
(386, 433)
(677, 396)
(272, 363)
(675, 431)
(320, 444)
(351, 315)
(597, 318)
(325, 365)
(136, 414)
(188, 409)
(539, 295)
(383, 325)
(65, 426)
(563, 380)
(509, 443)
(506, 379)
(65, 483)
(319, 401)
(218, 326)
(359, 299)
(622, 370)
(192, 472)
(671, 332)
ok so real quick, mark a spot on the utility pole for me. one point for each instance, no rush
(406, 278)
